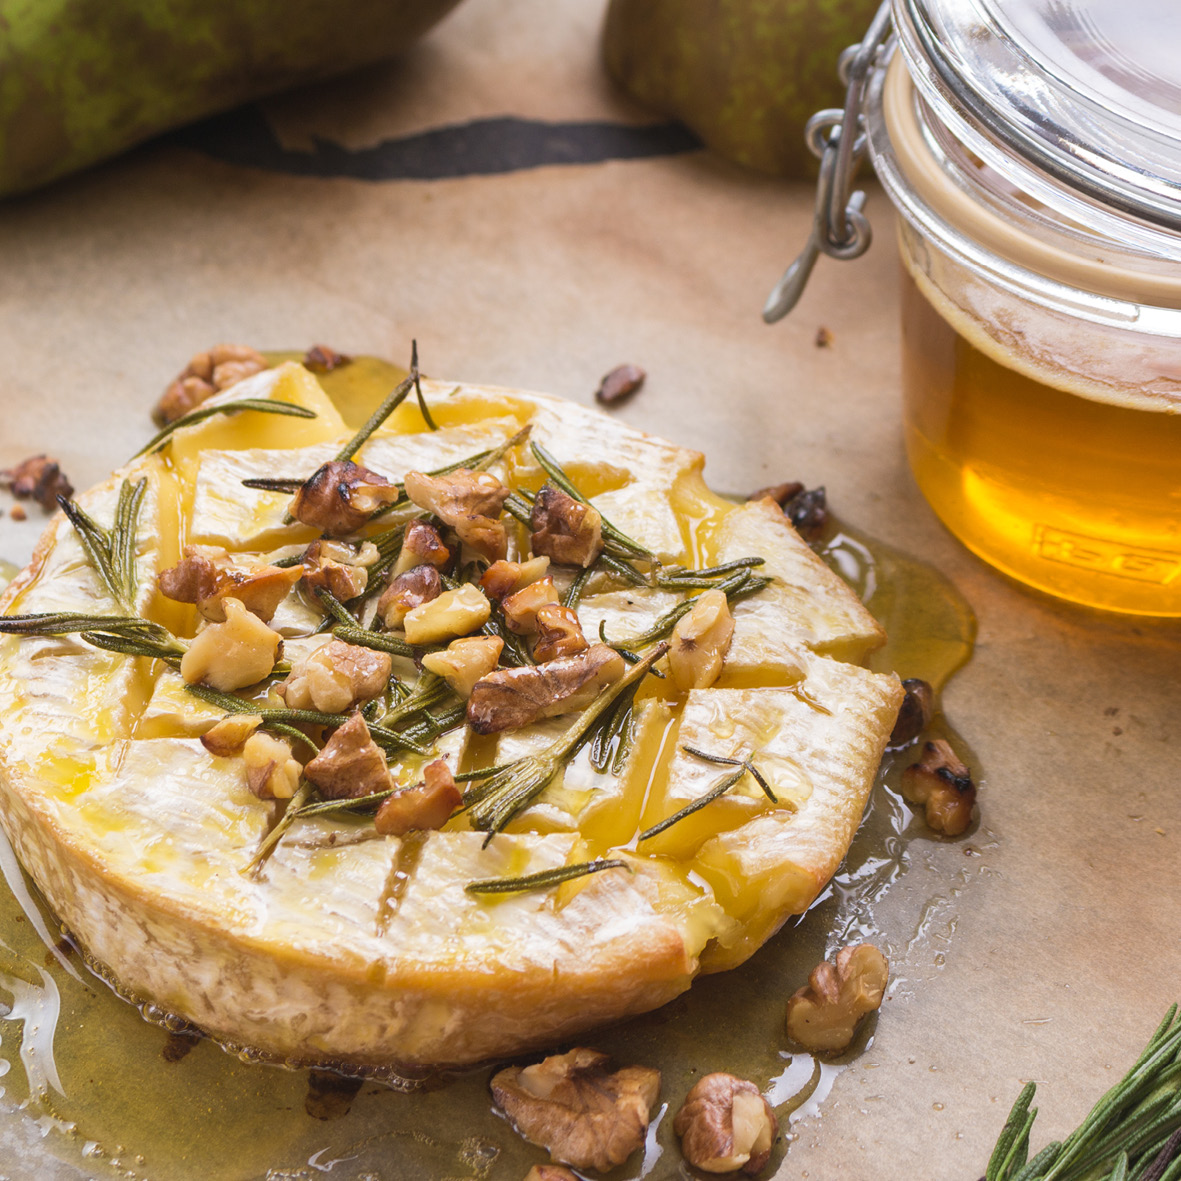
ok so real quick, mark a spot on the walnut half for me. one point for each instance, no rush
(570, 1104)
(941, 782)
(725, 1125)
(823, 1016)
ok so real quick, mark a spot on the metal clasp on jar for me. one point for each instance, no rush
(837, 137)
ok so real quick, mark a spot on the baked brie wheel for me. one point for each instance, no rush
(231, 884)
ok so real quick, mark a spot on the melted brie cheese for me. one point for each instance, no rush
(351, 948)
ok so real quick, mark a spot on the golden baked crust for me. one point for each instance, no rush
(363, 950)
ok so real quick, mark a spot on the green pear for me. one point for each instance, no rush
(745, 75)
(83, 79)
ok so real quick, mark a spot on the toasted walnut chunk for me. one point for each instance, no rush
(572, 1105)
(421, 546)
(725, 1125)
(340, 497)
(558, 633)
(520, 609)
(915, 713)
(565, 530)
(782, 494)
(336, 678)
(550, 1173)
(513, 697)
(38, 478)
(231, 655)
(823, 1015)
(206, 374)
(337, 567)
(454, 613)
(272, 773)
(203, 576)
(470, 502)
(942, 784)
(427, 805)
(351, 765)
(406, 591)
(229, 736)
(463, 662)
(503, 578)
(320, 358)
(699, 642)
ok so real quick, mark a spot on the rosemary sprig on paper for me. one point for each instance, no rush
(1132, 1134)
(261, 405)
(545, 879)
(495, 800)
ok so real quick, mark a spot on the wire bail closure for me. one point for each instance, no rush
(837, 137)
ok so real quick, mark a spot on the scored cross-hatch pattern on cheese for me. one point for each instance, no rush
(367, 950)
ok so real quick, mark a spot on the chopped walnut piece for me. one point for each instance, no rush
(38, 478)
(206, 374)
(782, 494)
(520, 608)
(203, 576)
(231, 655)
(322, 359)
(915, 713)
(411, 589)
(823, 1015)
(272, 773)
(942, 783)
(17, 513)
(808, 512)
(454, 613)
(336, 678)
(421, 546)
(338, 568)
(699, 642)
(558, 633)
(620, 383)
(725, 1125)
(340, 497)
(470, 502)
(550, 1173)
(573, 1106)
(504, 578)
(463, 662)
(513, 697)
(351, 765)
(426, 805)
(565, 530)
(228, 736)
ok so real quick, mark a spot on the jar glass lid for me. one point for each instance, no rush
(1077, 101)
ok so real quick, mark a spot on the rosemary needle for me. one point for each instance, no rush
(261, 405)
(544, 879)
(719, 789)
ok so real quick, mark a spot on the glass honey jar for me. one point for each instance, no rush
(1032, 149)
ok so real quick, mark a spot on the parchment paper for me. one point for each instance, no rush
(1062, 956)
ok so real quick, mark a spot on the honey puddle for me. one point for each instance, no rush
(88, 1088)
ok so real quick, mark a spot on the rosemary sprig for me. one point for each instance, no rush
(112, 551)
(719, 789)
(498, 798)
(725, 761)
(334, 607)
(64, 623)
(330, 807)
(261, 405)
(1132, 1134)
(612, 739)
(738, 586)
(287, 484)
(379, 641)
(136, 645)
(268, 844)
(429, 690)
(574, 595)
(545, 879)
(422, 406)
(392, 401)
(553, 469)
